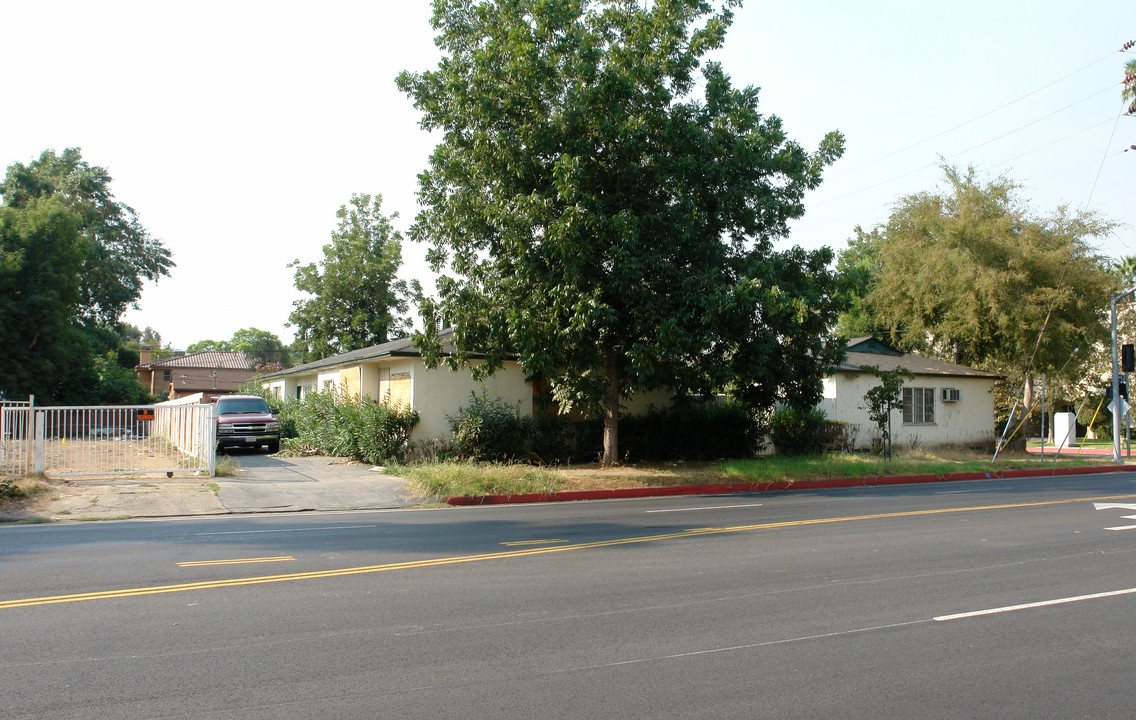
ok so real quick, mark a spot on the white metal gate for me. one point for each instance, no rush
(107, 440)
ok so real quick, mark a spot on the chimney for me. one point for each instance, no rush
(143, 354)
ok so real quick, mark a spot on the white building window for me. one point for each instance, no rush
(918, 406)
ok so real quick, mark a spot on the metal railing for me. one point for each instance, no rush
(107, 440)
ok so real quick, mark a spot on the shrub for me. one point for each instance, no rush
(335, 422)
(691, 430)
(838, 436)
(797, 432)
(9, 488)
(489, 429)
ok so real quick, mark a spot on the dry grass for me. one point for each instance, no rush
(471, 479)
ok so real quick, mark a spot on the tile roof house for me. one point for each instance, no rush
(211, 373)
(945, 404)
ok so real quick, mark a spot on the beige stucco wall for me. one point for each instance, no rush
(440, 392)
(970, 420)
(642, 403)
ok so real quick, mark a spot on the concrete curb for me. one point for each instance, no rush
(772, 486)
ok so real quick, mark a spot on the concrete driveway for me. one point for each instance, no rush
(279, 484)
(261, 484)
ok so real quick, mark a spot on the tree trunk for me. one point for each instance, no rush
(611, 411)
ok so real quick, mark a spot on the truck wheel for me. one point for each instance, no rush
(273, 447)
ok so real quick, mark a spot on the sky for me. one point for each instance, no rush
(236, 129)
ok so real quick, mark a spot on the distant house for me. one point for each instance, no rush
(210, 373)
(945, 404)
(394, 372)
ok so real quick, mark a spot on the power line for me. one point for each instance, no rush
(974, 119)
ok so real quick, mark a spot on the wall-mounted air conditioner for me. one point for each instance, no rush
(951, 395)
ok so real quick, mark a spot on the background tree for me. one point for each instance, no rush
(856, 268)
(1125, 271)
(970, 276)
(41, 253)
(263, 348)
(120, 254)
(354, 298)
(595, 221)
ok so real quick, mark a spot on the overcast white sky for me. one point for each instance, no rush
(236, 129)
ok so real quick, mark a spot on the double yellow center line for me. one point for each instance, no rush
(504, 555)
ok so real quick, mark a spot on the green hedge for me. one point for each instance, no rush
(798, 432)
(492, 429)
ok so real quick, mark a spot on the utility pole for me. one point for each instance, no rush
(1117, 415)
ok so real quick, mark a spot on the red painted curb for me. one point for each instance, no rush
(772, 486)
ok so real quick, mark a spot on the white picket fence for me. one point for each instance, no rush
(107, 440)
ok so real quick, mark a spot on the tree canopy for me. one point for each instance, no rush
(263, 348)
(41, 253)
(354, 298)
(595, 220)
(969, 274)
(120, 254)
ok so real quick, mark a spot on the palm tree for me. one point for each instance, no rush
(1128, 92)
(1125, 270)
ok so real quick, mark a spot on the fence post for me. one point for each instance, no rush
(210, 427)
(40, 420)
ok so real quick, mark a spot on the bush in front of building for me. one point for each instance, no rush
(339, 424)
(798, 432)
(490, 429)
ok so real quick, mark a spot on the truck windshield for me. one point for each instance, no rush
(238, 406)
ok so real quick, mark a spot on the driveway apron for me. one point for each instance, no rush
(276, 484)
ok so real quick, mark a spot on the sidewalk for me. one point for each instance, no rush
(1051, 450)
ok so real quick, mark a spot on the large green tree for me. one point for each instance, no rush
(41, 253)
(594, 219)
(971, 275)
(120, 254)
(354, 298)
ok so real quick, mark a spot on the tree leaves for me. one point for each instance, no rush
(354, 299)
(972, 276)
(592, 219)
(121, 255)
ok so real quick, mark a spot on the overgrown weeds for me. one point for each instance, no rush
(468, 478)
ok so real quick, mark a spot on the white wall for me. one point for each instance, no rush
(970, 420)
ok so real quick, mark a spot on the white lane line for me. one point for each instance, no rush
(282, 530)
(1123, 527)
(708, 507)
(1028, 606)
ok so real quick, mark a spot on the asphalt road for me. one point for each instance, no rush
(1007, 599)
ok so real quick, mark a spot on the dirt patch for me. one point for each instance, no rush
(110, 498)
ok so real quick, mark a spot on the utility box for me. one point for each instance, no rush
(1064, 430)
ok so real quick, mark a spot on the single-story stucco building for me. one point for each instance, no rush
(945, 404)
(395, 372)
